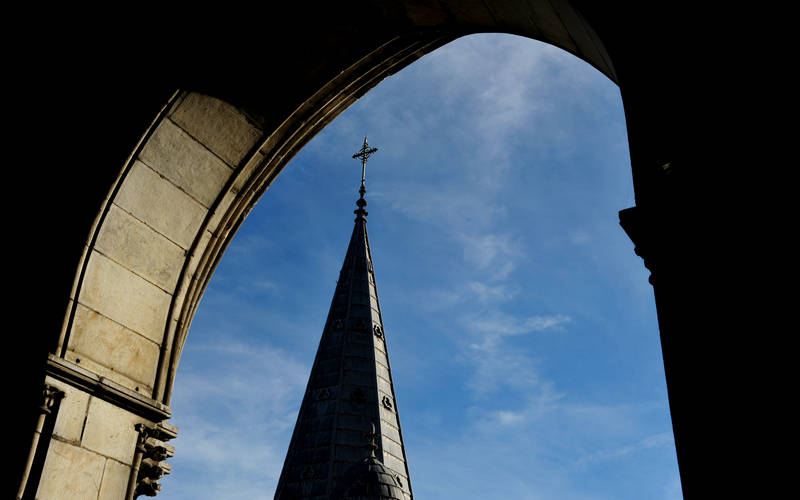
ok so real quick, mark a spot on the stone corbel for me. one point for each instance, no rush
(653, 235)
(149, 464)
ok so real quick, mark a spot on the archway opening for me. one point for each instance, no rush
(521, 326)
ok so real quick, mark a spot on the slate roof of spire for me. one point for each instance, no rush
(350, 388)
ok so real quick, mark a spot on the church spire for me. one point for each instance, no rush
(350, 390)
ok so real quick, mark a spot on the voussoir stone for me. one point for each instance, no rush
(114, 346)
(140, 248)
(121, 295)
(160, 204)
(219, 126)
(187, 163)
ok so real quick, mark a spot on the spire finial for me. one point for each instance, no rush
(371, 437)
(364, 153)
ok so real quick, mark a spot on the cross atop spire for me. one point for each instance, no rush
(364, 154)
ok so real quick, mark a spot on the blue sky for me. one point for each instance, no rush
(520, 325)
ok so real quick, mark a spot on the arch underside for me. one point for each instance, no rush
(194, 177)
(203, 162)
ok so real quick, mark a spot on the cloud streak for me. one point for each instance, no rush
(236, 416)
(498, 365)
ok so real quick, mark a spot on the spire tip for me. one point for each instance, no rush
(364, 153)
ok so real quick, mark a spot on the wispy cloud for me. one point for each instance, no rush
(451, 207)
(235, 416)
(531, 451)
(661, 439)
(496, 364)
(499, 325)
(497, 251)
(493, 293)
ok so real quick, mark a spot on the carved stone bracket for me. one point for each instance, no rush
(149, 461)
(645, 230)
(50, 396)
(377, 331)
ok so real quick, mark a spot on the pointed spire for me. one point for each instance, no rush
(350, 386)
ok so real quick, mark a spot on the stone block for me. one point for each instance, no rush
(354, 364)
(359, 311)
(124, 297)
(137, 246)
(354, 438)
(115, 481)
(70, 472)
(350, 453)
(383, 372)
(110, 431)
(158, 203)
(242, 180)
(395, 463)
(380, 356)
(384, 387)
(358, 350)
(360, 298)
(354, 422)
(388, 416)
(359, 337)
(188, 164)
(392, 447)
(365, 379)
(219, 126)
(71, 412)
(390, 432)
(115, 347)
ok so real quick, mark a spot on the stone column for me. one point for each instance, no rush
(50, 397)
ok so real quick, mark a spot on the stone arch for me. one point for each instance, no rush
(178, 201)
(194, 175)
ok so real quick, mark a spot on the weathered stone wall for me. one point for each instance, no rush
(138, 264)
(91, 450)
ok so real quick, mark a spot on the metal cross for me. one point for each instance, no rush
(364, 153)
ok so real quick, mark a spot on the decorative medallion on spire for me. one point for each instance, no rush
(350, 390)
